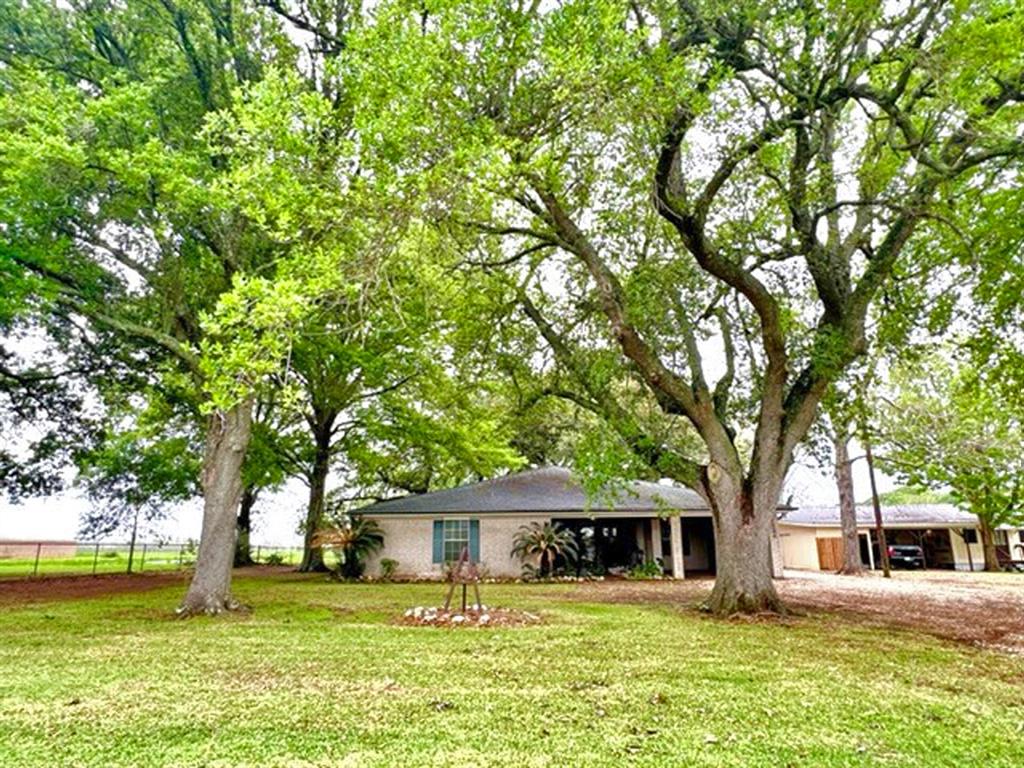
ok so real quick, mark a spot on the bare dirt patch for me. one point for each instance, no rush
(690, 591)
(980, 609)
(49, 588)
(969, 608)
(82, 587)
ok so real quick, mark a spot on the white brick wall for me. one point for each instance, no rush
(409, 540)
(496, 535)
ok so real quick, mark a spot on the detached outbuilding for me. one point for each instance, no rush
(949, 537)
(641, 522)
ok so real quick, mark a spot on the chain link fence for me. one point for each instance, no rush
(66, 558)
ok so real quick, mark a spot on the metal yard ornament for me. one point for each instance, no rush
(464, 572)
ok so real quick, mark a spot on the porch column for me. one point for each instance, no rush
(676, 538)
(647, 534)
(655, 529)
(871, 554)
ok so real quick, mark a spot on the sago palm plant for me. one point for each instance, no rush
(353, 538)
(546, 542)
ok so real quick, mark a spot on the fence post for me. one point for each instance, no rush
(142, 562)
(181, 554)
(39, 549)
(95, 558)
(257, 553)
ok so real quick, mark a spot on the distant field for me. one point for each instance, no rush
(114, 559)
(319, 674)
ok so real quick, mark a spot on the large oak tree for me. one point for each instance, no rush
(111, 205)
(707, 188)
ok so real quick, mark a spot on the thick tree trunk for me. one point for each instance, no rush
(226, 443)
(744, 518)
(131, 544)
(313, 556)
(243, 552)
(883, 544)
(988, 545)
(847, 509)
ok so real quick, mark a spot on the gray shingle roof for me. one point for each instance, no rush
(548, 489)
(894, 515)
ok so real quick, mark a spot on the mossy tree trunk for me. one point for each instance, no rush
(243, 551)
(227, 440)
(852, 565)
(988, 544)
(323, 432)
(744, 516)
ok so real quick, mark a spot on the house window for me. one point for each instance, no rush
(970, 536)
(456, 536)
(450, 536)
(999, 538)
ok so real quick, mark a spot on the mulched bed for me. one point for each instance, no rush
(481, 617)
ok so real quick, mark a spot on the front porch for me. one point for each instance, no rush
(680, 545)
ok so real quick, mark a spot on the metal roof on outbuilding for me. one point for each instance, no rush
(548, 489)
(911, 515)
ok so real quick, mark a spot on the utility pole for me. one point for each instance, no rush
(883, 548)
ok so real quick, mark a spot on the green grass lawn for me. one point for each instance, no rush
(83, 562)
(319, 675)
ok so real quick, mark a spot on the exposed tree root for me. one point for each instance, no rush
(726, 603)
(210, 606)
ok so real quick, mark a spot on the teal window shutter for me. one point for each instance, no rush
(474, 540)
(439, 541)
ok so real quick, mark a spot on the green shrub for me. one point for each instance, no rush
(649, 570)
(547, 542)
(274, 558)
(388, 568)
(353, 538)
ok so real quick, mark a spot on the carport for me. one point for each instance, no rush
(948, 536)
